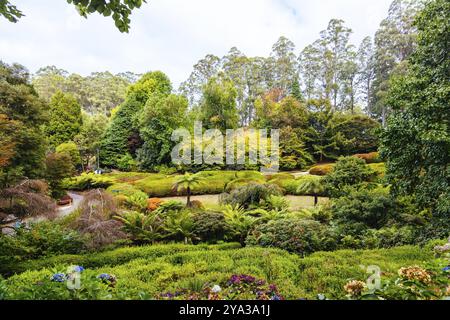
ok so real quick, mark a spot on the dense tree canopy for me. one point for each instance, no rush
(416, 142)
(22, 114)
(65, 119)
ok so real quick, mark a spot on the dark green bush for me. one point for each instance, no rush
(251, 195)
(209, 227)
(294, 235)
(348, 171)
(363, 209)
(40, 240)
(87, 181)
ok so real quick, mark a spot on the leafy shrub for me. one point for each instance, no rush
(137, 201)
(348, 171)
(237, 183)
(294, 235)
(38, 240)
(53, 285)
(168, 206)
(124, 189)
(286, 182)
(321, 169)
(209, 227)
(87, 181)
(379, 168)
(239, 223)
(388, 237)
(142, 228)
(249, 175)
(363, 209)
(126, 163)
(372, 157)
(179, 226)
(278, 203)
(251, 195)
(157, 185)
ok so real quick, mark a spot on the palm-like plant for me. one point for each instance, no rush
(142, 227)
(239, 221)
(180, 223)
(313, 187)
(186, 183)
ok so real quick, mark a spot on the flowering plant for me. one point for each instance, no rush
(237, 287)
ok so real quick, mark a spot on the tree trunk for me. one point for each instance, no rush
(188, 203)
(316, 201)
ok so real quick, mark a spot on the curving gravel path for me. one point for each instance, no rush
(66, 210)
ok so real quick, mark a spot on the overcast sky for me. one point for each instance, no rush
(172, 35)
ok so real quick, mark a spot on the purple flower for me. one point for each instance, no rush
(58, 277)
(107, 277)
(447, 268)
(78, 269)
(276, 297)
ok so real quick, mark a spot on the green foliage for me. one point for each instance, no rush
(178, 223)
(159, 118)
(133, 125)
(65, 119)
(58, 167)
(416, 141)
(239, 182)
(251, 195)
(23, 114)
(412, 283)
(293, 150)
(348, 171)
(40, 240)
(239, 223)
(87, 181)
(126, 163)
(10, 11)
(358, 134)
(89, 138)
(120, 10)
(143, 228)
(219, 104)
(294, 235)
(209, 227)
(71, 149)
(114, 144)
(363, 209)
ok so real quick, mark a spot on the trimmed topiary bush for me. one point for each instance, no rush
(295, 235)
(321, 169)
(251, 195)
(372, 157)
(209, 227)
(87, 181)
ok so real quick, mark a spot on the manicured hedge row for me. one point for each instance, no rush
(145, 272)
(117, 257)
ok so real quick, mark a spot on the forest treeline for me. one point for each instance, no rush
(328, 99)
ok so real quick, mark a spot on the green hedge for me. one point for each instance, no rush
(162, 268)
(118, 256)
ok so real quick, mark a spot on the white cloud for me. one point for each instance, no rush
(171, 35)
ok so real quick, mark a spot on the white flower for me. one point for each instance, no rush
(216, 289)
